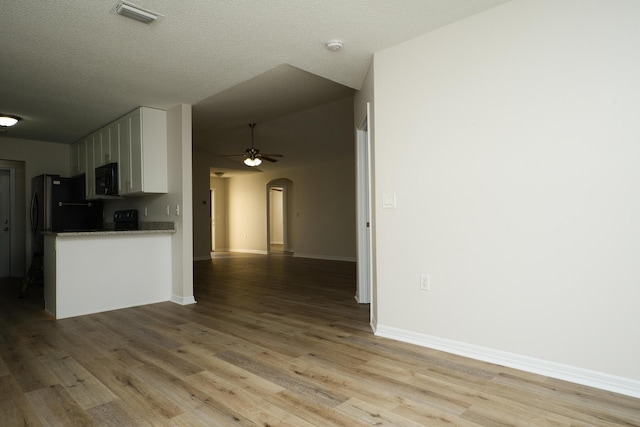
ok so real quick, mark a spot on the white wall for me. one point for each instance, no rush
(201, 181)
(39, 157)
(511, 142)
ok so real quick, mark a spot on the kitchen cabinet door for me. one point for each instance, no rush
(90, 188)
(98, 138)
(136, 152)
(112, 155)
(124, 165)
(143, 155)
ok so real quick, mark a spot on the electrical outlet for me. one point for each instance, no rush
(425, 282)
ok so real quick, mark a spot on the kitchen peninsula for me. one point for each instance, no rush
(91, 272)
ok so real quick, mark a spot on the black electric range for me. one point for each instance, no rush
(126, 220)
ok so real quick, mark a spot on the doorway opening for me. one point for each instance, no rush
(276, 220)
(278, 216)
(364, 289)
(13, 242)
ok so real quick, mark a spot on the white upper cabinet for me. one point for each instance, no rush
(143, 152)
(112, 154)
(90, 174)
(124, 163)
(137, 142)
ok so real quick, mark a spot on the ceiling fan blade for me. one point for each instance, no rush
(267, 158)
(231, 155)
(272, 155)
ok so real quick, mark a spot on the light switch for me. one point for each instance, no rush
(388, 200)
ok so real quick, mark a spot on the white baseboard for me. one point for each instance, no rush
(183, 300)
(560, 371)
(249, 251)
(374, 324)
(324, 257)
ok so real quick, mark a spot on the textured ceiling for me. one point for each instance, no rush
(69, 67)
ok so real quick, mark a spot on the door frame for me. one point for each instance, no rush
(212, 218)
(364, 224)
(273, 190)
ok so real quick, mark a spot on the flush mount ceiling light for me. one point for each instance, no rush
(334, 45)
(7, 120)
(132, 11)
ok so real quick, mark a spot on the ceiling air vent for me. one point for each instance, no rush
(135, 12)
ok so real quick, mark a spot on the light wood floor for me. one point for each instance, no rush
(272, 341)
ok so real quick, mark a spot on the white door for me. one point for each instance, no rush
(5, 223)
(365, 258)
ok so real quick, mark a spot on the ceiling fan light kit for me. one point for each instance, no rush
(7, 120)
(252, 156)
(252, 161)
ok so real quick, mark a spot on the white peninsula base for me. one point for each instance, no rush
(93, 272)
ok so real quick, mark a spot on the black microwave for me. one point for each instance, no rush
(107, 180)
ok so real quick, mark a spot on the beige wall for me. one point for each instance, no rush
(323, 196)
(511, 142)
(39, 157)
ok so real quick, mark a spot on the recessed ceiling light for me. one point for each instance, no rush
(334, 45)
(132, 11)
(7, 120)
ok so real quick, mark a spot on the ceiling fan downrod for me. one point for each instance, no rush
(252, 159)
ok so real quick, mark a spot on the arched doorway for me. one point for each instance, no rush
(279, 204)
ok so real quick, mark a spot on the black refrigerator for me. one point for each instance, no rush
(58, 204)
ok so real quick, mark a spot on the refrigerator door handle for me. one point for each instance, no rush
(34, 213)
(88, 204)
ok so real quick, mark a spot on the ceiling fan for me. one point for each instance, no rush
(252, 156)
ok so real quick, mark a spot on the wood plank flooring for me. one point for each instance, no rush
(272, 341)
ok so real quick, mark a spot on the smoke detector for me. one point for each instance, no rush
(334, 45)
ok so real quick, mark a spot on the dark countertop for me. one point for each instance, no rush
(105, 232)
(158, 227)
